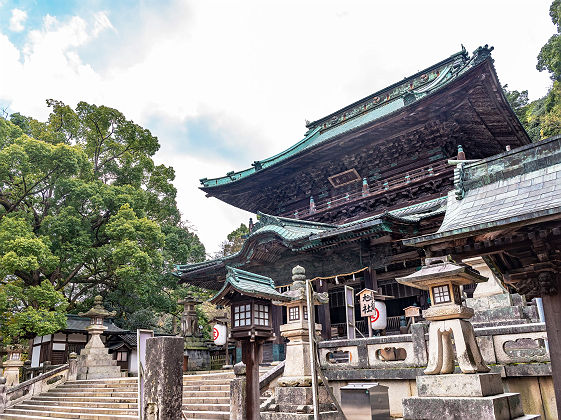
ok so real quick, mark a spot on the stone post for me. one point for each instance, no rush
(72, 367)
(3, 397)
(237, 393)
(419, 344)
(163, 386)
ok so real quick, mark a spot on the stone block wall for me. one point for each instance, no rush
(517, 352)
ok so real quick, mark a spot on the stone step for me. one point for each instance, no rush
(87, 399)
(212, 415)
(62, 415)
(76, 409)
(6, 416)
(207, 381)
(70, 389)
(206, 400)
(199, 394)
(50, 401)
(206, 388)
(120, 394)
(202, 407)
(105, 381)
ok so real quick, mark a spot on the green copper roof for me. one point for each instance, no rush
(367, 110)
(248, 284)
(302, 235)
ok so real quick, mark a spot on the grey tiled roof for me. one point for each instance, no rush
(79, 323)
(512, 188)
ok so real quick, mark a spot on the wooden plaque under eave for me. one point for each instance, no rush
(344, 178)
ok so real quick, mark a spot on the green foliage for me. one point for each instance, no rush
(84, 208)
(542, 117)
(234, 241)
(549, 58)
(29, 311)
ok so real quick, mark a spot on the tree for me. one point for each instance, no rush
(542, 117)
(84, 207)
(234, 241)
(549, 58)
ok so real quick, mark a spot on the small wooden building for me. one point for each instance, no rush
(56, 347)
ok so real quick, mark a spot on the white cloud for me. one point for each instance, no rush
(17, 20)
(256, 69)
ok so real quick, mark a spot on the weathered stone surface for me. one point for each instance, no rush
(487, 349)
(238, 393)
(499, 407)
(460, 385)
(516, 348)
(3, 397)
(163, 386)
(490, 287)
(443, 312)
(441, 355)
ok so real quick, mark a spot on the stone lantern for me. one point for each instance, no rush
(196, 355)
(297, 369)
(441, 393)
(189, 319)
(249, 297)
(443, 278)
(294, 395)
(94, 361)
(12, 364)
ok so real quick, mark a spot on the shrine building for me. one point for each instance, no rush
(341, 200)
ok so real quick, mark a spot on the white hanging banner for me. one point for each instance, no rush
(219, 334)
(379, 320)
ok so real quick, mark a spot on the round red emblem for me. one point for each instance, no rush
(374, 318)
(215, 334)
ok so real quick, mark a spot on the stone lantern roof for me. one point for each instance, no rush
(297, 291)
(98, 311)
(441, 269)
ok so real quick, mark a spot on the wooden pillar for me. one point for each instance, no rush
(250, 357)
(370, 281)
(552, 310)
(324, 317)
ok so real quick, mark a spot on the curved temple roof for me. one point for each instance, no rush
(302, 235)
(367, 110)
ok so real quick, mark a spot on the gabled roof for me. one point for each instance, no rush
(248, 284)
(367, 110)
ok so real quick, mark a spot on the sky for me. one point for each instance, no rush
(225, 83)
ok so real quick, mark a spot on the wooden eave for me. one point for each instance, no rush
(474, 102)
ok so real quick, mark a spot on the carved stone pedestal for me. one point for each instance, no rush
(477, 396)
(94, 361)
(11, 371)
(295, 402)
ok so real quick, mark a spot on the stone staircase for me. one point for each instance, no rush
(205, 396)
(99, 399)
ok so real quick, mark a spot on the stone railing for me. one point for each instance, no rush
(41, 383)
(509, 349)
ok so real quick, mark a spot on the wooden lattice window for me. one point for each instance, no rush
(261, 314)
(441, 294)
(242, 315)
(294, 313)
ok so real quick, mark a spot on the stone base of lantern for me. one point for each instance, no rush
(460, 396)
(295, 402)
(197, 353)
(11, 371)
(97, 363)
